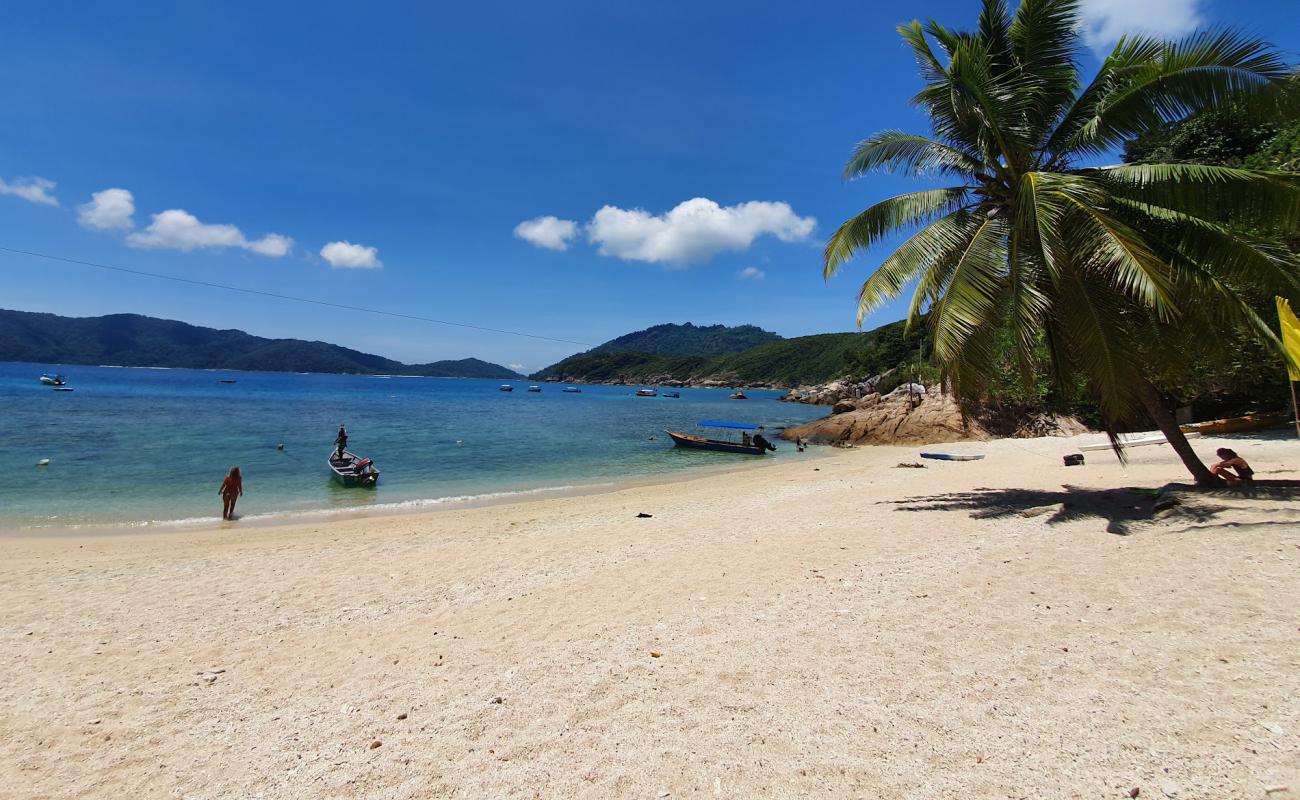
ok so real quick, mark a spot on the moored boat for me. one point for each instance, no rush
(758, 445)
(646, 393)
(571, 390)
(534, 388)
(671, 394)
(505, 387)
(53, 380)
(352, 470)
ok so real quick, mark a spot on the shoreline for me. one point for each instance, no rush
(381, 512)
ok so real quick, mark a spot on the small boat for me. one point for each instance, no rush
(53, 380)
(738, 395)
(1135, 440)
(1245, 424)
(505, 387)
(225, 381)
(351, 470)
(534, 388)
(671, 394)
(62, 388)
(690, 442)
(951, 457)
(571, 390)
(646, 393)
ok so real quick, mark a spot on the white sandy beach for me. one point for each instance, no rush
(833, 628)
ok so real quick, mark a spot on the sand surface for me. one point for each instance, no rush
(829, 628)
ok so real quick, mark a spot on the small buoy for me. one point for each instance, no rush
(44, 462)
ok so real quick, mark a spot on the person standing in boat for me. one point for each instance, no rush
(232, 488)
(341, 441)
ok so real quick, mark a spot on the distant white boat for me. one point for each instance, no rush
(534, 388)
(53, 380)
(572, 390)
(505, 387)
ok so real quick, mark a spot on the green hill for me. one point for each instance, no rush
(783, 362)
(131, 340)
(688, 340)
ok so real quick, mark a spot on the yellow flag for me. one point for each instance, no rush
(1290, 335)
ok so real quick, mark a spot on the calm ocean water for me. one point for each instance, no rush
(137, 446)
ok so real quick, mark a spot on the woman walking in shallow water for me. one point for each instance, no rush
(231, 489)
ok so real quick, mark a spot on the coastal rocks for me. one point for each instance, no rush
(829, 394)
(900, 417)
(916, 414)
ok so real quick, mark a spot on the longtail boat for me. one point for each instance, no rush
(690, 442)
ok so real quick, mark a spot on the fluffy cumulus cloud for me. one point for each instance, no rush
(33, 190)
(109, 210)
(694, 231)
(549, 232)
(346, 255)
(751, 274)
(1105, 21)
(176, 229)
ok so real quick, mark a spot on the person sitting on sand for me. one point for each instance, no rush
(231, 489)
(1233, 468)
(342, 441)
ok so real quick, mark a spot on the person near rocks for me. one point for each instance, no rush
(232, 488)
(341, 441)
(1232, 468)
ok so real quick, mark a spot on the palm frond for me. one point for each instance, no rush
(1045, 41)
(928, 254)
(1150, 82)
(886, 217)
(908, 154)
(1251, 197)
(970, 298)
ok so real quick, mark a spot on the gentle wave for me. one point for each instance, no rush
(377, 509)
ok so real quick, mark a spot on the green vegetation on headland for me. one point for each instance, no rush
(778, 362)
(130, 340)
(688, 340)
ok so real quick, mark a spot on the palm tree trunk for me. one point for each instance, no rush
(1159, 413)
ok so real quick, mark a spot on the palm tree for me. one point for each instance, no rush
(1107, 270)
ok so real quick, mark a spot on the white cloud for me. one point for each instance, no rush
(751, 274)
(175, 229)
(694, 231)
(1105, 21)
(515, 367)
(552, 233)
(345, 255)
(108, 210)
(33, 190)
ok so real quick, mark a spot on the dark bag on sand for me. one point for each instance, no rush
(1073, 460)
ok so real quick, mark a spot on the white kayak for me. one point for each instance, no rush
(1135, 440)
(951, 457)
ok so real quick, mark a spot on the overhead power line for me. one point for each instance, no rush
(278, 296)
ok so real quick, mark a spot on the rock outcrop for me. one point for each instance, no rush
(913, 414)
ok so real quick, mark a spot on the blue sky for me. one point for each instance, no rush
(382, 155)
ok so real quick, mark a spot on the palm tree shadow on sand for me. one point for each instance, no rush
(1124, 510)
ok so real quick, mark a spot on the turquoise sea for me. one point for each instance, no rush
(144, 446)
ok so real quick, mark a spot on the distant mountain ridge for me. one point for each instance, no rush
(688, 340)
(132, 340)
